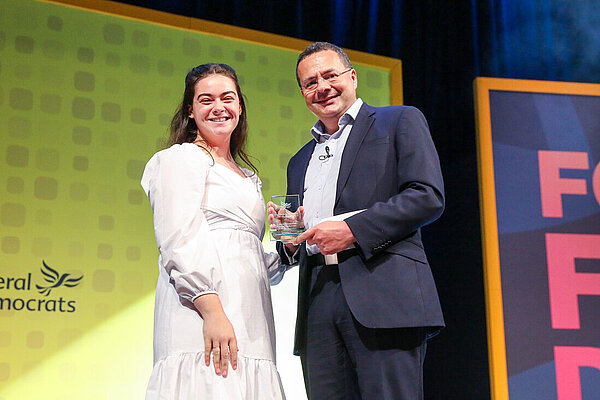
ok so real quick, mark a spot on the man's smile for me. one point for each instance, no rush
(327, 99)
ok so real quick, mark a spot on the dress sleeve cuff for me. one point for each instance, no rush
(203, 293)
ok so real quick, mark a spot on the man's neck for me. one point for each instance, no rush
(331, 125)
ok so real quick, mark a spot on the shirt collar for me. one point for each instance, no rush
(349, 116)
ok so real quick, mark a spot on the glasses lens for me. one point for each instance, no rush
(310, 86)
(332, 77)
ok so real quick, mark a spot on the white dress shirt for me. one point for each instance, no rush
(323, 169)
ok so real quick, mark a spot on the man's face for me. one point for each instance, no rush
(330, 100)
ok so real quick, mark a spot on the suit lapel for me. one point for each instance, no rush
(362, 124)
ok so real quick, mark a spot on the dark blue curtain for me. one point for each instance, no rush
(540, 39)
(529, 39)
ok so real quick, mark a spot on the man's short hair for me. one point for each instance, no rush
(322, 46)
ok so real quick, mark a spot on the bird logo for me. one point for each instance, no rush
(55, 280)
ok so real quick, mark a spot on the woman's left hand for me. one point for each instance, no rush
(219, 336)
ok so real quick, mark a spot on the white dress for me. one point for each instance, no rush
(209, 223)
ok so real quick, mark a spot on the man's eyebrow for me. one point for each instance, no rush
(320, 73)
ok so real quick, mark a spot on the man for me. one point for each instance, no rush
(367, 300)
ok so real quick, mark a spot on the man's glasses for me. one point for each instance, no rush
(330, 77)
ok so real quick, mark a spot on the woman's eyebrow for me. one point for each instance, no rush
(210, 94)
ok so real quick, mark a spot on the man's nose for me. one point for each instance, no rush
(322, 85)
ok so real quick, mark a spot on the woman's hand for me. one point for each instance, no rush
(219, 337)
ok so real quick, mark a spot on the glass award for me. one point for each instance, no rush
(287, 219)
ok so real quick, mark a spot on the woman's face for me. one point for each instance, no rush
(215, 107)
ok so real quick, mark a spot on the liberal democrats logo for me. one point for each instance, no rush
(55, 280)
(24, 297)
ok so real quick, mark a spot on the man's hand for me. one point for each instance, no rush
(330, 236)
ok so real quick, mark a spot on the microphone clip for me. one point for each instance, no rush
(324, 157)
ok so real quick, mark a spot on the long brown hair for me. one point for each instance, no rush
(183, 128)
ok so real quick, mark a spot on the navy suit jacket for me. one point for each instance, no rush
(391, 169)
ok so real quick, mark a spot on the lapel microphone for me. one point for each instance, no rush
(324, 157)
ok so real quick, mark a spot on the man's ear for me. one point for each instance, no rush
(354, 78)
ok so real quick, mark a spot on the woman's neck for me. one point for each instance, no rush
(221, 154)
(217, 150)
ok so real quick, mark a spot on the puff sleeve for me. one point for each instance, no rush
(276, 269)
(175, 182)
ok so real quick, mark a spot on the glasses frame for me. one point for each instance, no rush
(330, 81)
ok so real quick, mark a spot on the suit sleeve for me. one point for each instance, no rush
(419, 197)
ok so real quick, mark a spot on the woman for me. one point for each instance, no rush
(213, 295)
